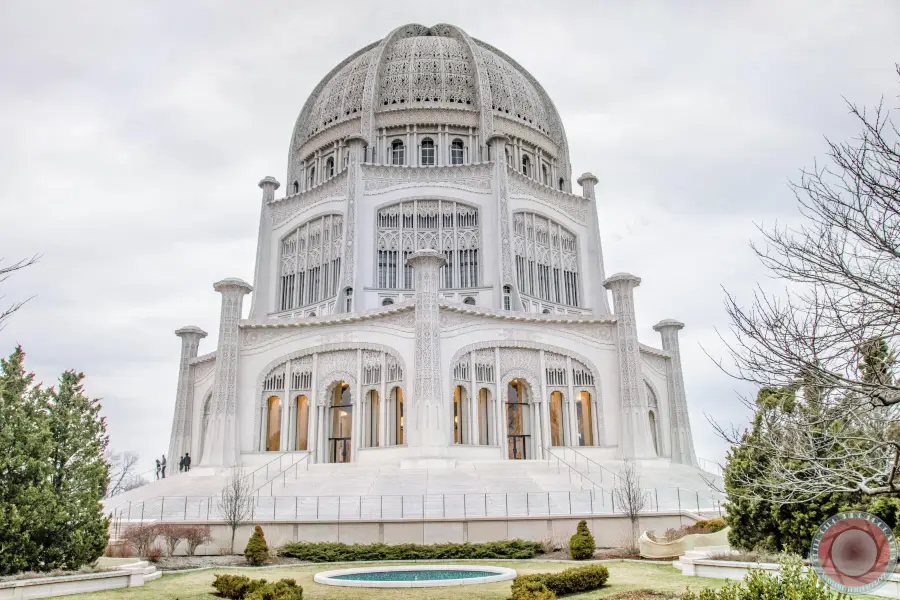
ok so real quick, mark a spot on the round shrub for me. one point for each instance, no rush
(285, 589)
(257, 550)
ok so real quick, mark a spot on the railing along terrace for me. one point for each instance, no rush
(597, 501)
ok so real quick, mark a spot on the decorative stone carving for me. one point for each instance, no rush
(575, 207)
(380, 179)
(284, 209)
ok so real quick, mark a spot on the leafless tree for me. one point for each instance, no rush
(236, 502)
(122, 472)
(5, 273)
(630, 499)
(841, 267)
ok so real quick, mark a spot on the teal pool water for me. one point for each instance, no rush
(423, 575)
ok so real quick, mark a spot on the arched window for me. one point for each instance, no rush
(562, 184)
(546, 311)
(460, 415)
(450, 227)
(329, 166)
(507, 297)
(653, 432)
(469, 300)
(518, 429)
(428, 152)
(395, 417)
(204, 423)
(302, 422)
(387, 302)
(311, 178)
(456, 152)
(557, 419)
(296, 187)
(546, 259)
(583, 419)
(485, 419)
(373, 419)
(273, 424)
(526, 165)
(508, 157)
(311, 262)
(339, 441)
(398, 153)
(348, 300)
(545, 175)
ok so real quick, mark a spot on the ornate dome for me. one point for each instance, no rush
(439, 68)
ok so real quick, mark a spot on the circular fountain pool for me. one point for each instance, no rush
(414, 576)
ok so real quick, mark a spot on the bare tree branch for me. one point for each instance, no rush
(236, 502)
(5, 273)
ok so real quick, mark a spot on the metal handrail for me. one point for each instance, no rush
(570, 467)
(590, 461)
(283, 473)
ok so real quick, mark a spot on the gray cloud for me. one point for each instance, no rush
(132, 136)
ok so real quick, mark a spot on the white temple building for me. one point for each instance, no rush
(429, 292)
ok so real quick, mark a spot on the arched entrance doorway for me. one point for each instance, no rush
(340, 438)
(518, 420)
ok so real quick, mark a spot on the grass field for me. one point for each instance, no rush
(623, 577)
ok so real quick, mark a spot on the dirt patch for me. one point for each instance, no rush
(599, 554)
(179, 563)
(642, 595)
(86, 570)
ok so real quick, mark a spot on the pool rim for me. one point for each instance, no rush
(497, 574)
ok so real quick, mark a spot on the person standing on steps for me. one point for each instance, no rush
(163, 465)
(181, 465)
(187, 462)
(157, 468)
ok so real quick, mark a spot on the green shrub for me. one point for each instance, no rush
(570, 581)
(236, 586)
(257, 550)
(286, 589)
(581, 545)
(709, 525)
(532, 590)
(319, 552)
(792, 582)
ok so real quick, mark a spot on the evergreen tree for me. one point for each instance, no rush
(26, 501)
(79, 474)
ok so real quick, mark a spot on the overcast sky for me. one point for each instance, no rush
(133, 134)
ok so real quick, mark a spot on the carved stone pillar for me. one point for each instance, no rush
(356, 147)
(182, 422)
(597, 297)
(221, 447)
(504, 227)
(430, 418)
(261, 304)
(682, 440)
(634, 424)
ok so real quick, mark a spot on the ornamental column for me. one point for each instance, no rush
(498, 144)
(261, 303)
(682, 440)
(430, 417)
(221, 447)
(594, 255)
(634, 424)
(356, 148)
(182, 421)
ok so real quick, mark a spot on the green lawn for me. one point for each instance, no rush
(623, 577)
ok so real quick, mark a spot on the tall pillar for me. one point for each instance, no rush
(260, 304)
(221, 447)
(634, 424)
(430, 418)
(498, 144)
(682, 440)
(356, 147)
(594, 246)
(182, 422)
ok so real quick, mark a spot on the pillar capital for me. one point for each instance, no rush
(668, 324)
(426, 258)
(497, 137)
(189, 331)
(622, 279)
(269, 182)
(587, 181)
(233, 284)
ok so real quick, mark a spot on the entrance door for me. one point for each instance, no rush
(341, 424)
(517, 421)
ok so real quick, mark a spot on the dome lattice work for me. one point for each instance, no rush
(423, 74)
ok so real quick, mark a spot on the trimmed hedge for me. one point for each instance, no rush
(570, 581)
(240, 587)
(257, 551)
(581, 545)
(334, 552)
